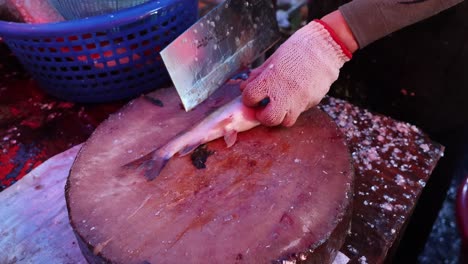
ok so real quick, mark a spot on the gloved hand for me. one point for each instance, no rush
(297, 76)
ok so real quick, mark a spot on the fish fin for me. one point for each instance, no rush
(230, 138)
(188, 149)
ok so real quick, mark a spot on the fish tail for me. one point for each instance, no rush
(154, 166)
(151, 165)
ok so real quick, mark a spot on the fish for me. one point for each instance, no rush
(227, 121)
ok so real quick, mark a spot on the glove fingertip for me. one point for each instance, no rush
(252, 94)
(290, 120)
(270, 115)
(252, 76)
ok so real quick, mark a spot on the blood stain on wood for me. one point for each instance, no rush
(200, 156)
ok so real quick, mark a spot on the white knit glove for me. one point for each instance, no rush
(297, 76)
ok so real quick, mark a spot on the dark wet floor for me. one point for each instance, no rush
(443, 245)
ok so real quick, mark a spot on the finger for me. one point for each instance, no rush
(291, 118)
(271, 115)
(255, 91)
(253, 74)
(264, 102)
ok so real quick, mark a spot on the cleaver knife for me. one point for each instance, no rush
(227, 39)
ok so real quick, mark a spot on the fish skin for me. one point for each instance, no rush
(225, 122)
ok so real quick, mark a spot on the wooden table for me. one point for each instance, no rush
(393, 160)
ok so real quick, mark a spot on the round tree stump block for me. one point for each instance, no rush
(278, 194)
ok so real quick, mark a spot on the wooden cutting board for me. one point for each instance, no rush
(277, 194)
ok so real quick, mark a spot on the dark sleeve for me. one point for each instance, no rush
(371, 20)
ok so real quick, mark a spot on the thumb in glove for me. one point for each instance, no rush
(297, 75)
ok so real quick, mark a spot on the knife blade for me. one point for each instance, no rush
(230, 37)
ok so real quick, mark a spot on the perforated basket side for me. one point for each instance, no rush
(119, 59)
(72, 9)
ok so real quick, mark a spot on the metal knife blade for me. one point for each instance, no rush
(228, 38)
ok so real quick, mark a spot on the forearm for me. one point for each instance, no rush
(370, 20)
(338, 24)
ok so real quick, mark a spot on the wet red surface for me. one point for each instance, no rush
(35, 126)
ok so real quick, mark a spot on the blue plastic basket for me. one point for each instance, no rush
(72, 9)
(101, 58)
